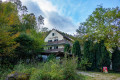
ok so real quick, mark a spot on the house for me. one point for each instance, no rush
(55, 42)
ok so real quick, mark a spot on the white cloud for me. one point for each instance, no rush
(51, 14)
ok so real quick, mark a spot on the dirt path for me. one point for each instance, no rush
(100, 76)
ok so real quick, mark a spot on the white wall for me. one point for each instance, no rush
(60, 46)
(56, 36)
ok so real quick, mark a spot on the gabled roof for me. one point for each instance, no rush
(62, 33)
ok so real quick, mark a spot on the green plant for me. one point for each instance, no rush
(84, 64)
(116, 59)
(51, 57)
(77, 49)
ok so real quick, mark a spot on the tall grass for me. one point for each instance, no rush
(51, 70)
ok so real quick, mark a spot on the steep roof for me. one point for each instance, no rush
(63, 34)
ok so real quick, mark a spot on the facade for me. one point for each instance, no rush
(55, 42)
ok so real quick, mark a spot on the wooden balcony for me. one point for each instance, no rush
(55, 50)
(60, 42)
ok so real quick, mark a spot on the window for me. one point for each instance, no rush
(56, 40)
(49, 40)
(55, 47)
(53, 34)
(49, 48)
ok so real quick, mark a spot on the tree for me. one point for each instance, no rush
(67, 48)
(102, 24)
(116, 59)
(28, 22)
(7, 43)
(26, 49)
(40, 21)
(77, 49)
(102, 56)
(31, 44)
(89, 53)
(8, 14)
(24, 9)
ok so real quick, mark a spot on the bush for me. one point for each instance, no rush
(84, 64)
(51, 70)
(51, 57)
(69, 69)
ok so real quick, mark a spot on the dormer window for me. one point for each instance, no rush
(53, 34)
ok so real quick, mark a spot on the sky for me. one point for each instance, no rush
(66, 15)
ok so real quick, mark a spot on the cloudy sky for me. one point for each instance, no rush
(66, 15)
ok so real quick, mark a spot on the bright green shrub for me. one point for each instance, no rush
(69, 69)
(50, 71)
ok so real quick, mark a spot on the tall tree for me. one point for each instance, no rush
(8, 14)
(103, 24)
(116, 59)
(67, 48)
(7, 43)
(40, 22)
(77, 49)
(28, 22)
(89, 53)
(102, 56)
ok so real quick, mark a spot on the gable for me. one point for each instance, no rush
(52, 37)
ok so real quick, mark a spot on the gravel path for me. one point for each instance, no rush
(99, 76)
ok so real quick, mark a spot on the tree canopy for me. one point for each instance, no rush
(102, 24)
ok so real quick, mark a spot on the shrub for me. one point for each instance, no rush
(50, 71)
(69, 69)
(51, 57)
(83, 64)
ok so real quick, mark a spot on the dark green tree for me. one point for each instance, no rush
(105, 55)
(77, 49)
(102, 56)
(116, 59)
(67, 48)
(26, 49)
(89, 53)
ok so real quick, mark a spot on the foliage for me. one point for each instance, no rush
(76, 49)
(28, 22)
(102, 24)
(7, 43)
(51, 57)
(116, 59)
(8, 14)
(51, 70)
(26, 48)
(89, 53)
(84, 64)
(102, 56)
(67, 48)
(69, 70)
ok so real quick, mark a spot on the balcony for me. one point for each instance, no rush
(60, 42)
(55, 50)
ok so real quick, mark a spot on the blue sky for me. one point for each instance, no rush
(66, 15)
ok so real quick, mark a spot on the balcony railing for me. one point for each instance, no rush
(55, 50)
(59, 42)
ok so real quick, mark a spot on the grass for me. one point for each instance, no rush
(102, 76)
(51, 70)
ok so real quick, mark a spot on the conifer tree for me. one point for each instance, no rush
(77, 49)
(116, 59)
(89, 53)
